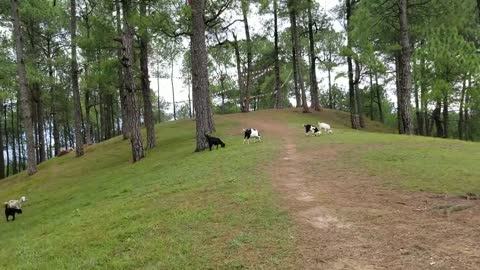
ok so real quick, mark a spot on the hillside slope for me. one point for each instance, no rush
(182, 210)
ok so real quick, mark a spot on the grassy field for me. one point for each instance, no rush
(182, 210)
(174, 210)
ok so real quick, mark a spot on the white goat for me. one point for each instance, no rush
(16, 204)
(326, 127)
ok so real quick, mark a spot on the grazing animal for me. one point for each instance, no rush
(214, 141)
(251, 133)
(326, 127)
(17, 204)
(311, 129)
(10, 212)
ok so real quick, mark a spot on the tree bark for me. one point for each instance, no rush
(460, 113)
(297, 54)
(371, 95)
(358, 95)
(278, 93)
(351, 83)
(77, 106)
(313, 76)
(405, 72)
(173, 92)
(6, 138)
(436, 118)
(133, 119)
(330, 94)
(24, 93)
(147, 103)
(298, 96)
(419, 129)
(379, 99)
(201, 102)
(246, 101)
(239, 71)
(15, 136)
(121, 80)
(445, 116)
(2, 150)
(40, 121)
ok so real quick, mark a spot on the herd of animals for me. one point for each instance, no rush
(255, 134)
(13, 207)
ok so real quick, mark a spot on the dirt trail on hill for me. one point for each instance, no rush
(346, 219)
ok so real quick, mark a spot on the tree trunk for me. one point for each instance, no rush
(379, 99)
(436, 118)
(297, 53)
(330, 94)
(2, 150)
(6, 138)
(277, 91)
(351, 83)
(121, 79)
(201, 102)
(313, 76)
(133, 119)
(77, 106)
(298, 96)
(37, 97)
(371, 95)
(460, 113)
(24, 93)
(405, 72)
(358, 95)
(15, 136)
(238, 59)
(147, 103)
(419, 129)
(445, 116)
(173, 92)
(248, 82)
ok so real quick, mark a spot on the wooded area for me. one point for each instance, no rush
(78, 72)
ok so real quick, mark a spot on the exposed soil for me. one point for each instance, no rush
(347, 219)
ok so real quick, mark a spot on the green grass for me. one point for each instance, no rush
(411, 162)
(212, 210)
(174, 210)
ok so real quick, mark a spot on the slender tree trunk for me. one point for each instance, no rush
(405, 72)
(379, 99)
(77, 106)
(24, 93)
(358, 95)
(436, 118)
(147, 103)
(445, 116)
(330, 96)
(2, 149)
(40, 121)
(20, 141)
(121, 79)
(173, 92)
(417, 110)
(460, 113)
(97, 133)
(201, 97)
(15, 136)
(278, 93)
(298, 96)
(297, 53)
(351, 83)
(133, 119)
(313, 76)
(424, 99)
(248, 81)
(158, 93)
(371, 95)
(241, 85)
(6, 138)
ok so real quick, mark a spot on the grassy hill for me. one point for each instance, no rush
(182, 210)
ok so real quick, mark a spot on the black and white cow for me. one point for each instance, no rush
(312, 130)
(251, 133)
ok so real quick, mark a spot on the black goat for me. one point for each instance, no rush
(213, 141)
(11, 212)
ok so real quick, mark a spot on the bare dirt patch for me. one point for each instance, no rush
(346, 218)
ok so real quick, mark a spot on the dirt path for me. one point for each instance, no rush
(347, 220)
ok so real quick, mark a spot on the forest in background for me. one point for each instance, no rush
(86, 66)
